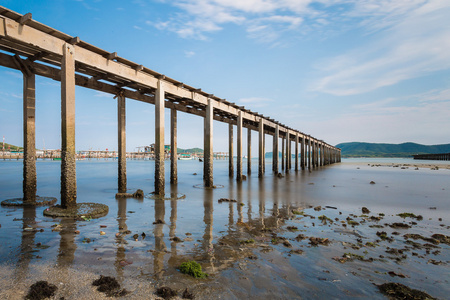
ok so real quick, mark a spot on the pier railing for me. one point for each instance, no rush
(37, 49)
(437, 156)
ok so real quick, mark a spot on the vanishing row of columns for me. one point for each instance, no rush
(312, 153)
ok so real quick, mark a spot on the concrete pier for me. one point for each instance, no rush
(239, 147)
(296, 152)
(173, 147)
(68, 163)
(122, 156)
(159, 139)
(249, 151)
(52, 54)
(230, 151)
(208, 146)
(276, 137)
(29, 138)
(261, 148)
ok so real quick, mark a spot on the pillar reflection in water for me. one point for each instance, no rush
(207, 243)
(67, 246)
(173, 225)
(27, 244)
(276, 211)
(160, 246)
(249, 200)
(239, 203)
(262, 201)
(120, 239)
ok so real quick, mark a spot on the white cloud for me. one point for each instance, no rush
(189, 53)
(415, 46)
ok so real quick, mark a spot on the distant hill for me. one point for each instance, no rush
(192, 150)
(357, 149)
(10, 147)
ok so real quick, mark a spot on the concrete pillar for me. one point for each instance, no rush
(288, 152)
(230, 151)
(173, 146)
(239, 147)
(296, 152)
(264, 151)
(29, 139)
(302, 154)
(282, 154)
(122, 156)
(249, 151)
(309, 154)
(276, 137)
(159, 139)
(68, 162)
(261, 149)
(208, 146)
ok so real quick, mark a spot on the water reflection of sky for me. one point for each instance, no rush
(199, 220)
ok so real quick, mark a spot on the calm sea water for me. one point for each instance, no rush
(345, 186)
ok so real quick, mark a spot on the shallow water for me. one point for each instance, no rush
(216, 230)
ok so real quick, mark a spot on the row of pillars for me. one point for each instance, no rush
(316, 154)
(312, 153)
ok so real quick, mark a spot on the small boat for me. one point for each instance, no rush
(56, 158)
(185, 156)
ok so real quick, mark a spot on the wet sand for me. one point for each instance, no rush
(273, 242)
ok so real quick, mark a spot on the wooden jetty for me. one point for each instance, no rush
(37, 49)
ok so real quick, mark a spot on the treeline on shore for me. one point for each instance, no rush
(359, 149)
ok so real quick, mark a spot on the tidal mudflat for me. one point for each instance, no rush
(341, 231)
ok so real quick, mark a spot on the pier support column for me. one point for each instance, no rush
(239, 147)
(302, 154)
(309, 154)
(230, 151)
(261, 149)
(208, 146)
(122, 156)
(276, 137)
(249, 151)
(282, 153)
(296, 152)
(159, 139)
(287, 151)
(68, 162)
(173, 146)
(29, 139)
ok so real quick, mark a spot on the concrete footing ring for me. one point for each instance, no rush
(171, 196)
(82, 210)
(40, 201)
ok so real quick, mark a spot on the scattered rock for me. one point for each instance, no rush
(399, 291)
(109, 286)
(445, 239)
(226, 200)
(314, 241)
(176, 239)
(138, 194)
(41, 290)
(399, 225)
(166, 292)
(159, 222)
(365, 210)
(332, 207)
(102, 233)
(318, 208)
(372, 182)
(279, 175)
(296, 251)
(393, 274)
(187, 294)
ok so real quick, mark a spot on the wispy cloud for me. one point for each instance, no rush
(416, 45)
(189, 53)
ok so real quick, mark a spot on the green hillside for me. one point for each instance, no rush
(192, 150)
(10, 147)
(357, 149)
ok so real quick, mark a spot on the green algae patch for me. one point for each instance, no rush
(410, 215)
(192, 268)
(399, 291)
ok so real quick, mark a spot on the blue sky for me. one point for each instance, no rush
(340, 70)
